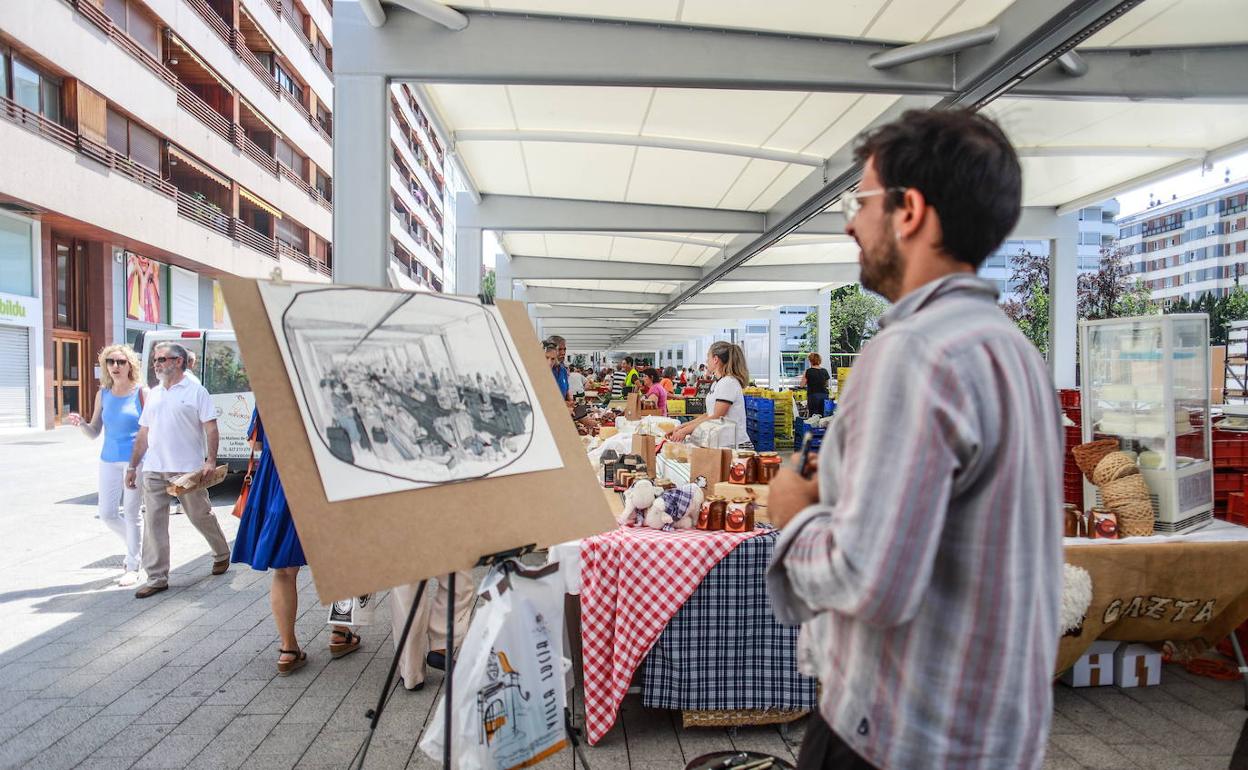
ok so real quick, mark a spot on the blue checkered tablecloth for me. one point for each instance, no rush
(724, 649)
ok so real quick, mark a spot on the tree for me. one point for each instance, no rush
(487, 285)
(1029, 310)
(1111, 291)
(1221, 310)
(854, 318)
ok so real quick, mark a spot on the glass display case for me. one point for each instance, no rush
(1145, 382)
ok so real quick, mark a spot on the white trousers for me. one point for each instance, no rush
(128, 523)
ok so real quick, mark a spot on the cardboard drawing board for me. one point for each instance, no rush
(371, 543)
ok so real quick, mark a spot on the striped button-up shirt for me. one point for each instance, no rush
(928, 577)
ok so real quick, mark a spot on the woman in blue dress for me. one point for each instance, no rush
(267, 540)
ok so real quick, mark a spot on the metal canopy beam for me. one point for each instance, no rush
(1187, 74)
(635, 140)
(1033, 33)
(618, 316)
(558, 268)
(604, 52)
(523, 213)
(601, 297)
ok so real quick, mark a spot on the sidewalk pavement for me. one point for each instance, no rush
(91, 677)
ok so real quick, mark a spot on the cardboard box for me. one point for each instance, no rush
(1095, 668)
(729, 490)
(710, 464)
(1137, 665)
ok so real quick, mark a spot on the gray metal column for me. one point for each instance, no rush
(823, 330)
(361, 179)
(502, 275)
(773, 350)
(1063, 295)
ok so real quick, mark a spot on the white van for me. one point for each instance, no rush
(219, 367)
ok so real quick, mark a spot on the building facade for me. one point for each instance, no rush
(1190, 247)
(1097, 232)
(153, 146)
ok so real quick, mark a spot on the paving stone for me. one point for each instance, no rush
(288, 740)
(273, 700)
(104, 692)
(236, 692)
(43, 733)
(231, 747)
(169, 710)
(173, 751)
(1153, 757)
(134, 702)
(312, 708)
(105, 763)
(207, 720)
(76, 746)
(1091, 751)
(333, 749)
(133, 741)
(269, 762)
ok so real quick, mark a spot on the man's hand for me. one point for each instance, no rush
(132, 478)
(207, 470)
(788, 495)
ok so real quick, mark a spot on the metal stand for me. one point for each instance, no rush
(374, 714)
(1243, 667)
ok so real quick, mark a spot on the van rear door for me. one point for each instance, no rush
(222, 373)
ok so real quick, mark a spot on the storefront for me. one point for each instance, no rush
(21, 324)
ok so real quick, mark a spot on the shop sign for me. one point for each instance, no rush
(20, 311)
(183, 298)
(1165, 608)
(143, 289)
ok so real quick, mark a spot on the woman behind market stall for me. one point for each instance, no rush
(815, 380)
(650, 388)
(725, 362)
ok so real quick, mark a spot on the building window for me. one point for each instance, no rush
(130, 19)
(286, 82)
(133, 141)
(35, 91)
(286, 155)
(16, 266)
(68, 283)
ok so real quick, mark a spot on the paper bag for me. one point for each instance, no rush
(634, 410)
(709, 463)
(644, 446)
(189, 482)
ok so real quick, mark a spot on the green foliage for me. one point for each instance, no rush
(855, 317)
(1030, 310)
(488, 286)
(223, 370)
(1221, 311)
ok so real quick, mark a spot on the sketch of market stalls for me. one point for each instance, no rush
(417, 386)
(500, 704)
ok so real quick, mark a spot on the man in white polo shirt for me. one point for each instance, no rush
(177, 435)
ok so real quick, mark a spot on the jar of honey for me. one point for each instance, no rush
(768, 466)
(740, 515)
(711, 517)
(744, 468)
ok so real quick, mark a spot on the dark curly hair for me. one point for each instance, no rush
(964, 166)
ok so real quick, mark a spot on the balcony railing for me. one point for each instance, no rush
(92, 13)
(303, 185)
(14, 113)
(190, 102)
(254, 64)
(204, 213)
(254, 151)
(210, 17)
(254, 239)
(290, 252)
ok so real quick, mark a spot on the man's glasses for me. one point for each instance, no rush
(852, 202)
(163, 359)
(117, 361)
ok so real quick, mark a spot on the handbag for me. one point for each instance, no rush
(715, 434)
(240, 504)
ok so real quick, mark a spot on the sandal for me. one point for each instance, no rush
(351, 644)
(288, 667)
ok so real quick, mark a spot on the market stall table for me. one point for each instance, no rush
(1161, 588)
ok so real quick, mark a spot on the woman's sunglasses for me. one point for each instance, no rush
(117, 361)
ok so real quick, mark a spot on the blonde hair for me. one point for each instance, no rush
(815, 359)
(106, 379)
(733, 359)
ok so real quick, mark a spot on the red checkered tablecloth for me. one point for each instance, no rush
(632, 582)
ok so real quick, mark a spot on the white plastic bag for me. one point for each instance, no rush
(356, 611)
(509, 691)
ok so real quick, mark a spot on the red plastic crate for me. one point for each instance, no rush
(1074, 413)
(1227, 481)
(1069, 397)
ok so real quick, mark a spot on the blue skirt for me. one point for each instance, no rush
(266, 535)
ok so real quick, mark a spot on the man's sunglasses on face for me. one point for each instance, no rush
(163, 359)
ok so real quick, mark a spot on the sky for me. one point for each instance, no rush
(1185, 184)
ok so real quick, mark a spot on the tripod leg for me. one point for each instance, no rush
(450, 666)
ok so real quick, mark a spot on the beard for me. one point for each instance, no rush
(881, 267)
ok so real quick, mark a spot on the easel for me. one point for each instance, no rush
(374, 714)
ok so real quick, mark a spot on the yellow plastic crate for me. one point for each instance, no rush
(675, 407)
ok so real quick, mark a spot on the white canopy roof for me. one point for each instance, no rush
(707, 133)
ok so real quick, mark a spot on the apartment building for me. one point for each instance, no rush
(153, 146)
(1190, 247)
(1097, 231)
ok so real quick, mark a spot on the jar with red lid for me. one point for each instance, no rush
(740, 515)
(768, 466)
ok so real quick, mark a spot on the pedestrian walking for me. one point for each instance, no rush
(925, 561)
(267, 539)
(426, 642)
(117, 409)
(177, 435)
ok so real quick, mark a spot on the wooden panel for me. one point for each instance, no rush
(86, 110)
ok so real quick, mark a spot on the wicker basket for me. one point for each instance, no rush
(1135, 519)
(739, 717)
(1129, 489)
(1114, 465)
(1089, 454)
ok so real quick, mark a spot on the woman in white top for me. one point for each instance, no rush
(726, 364)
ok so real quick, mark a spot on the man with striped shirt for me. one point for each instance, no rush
(924, 562)
(619, 378)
